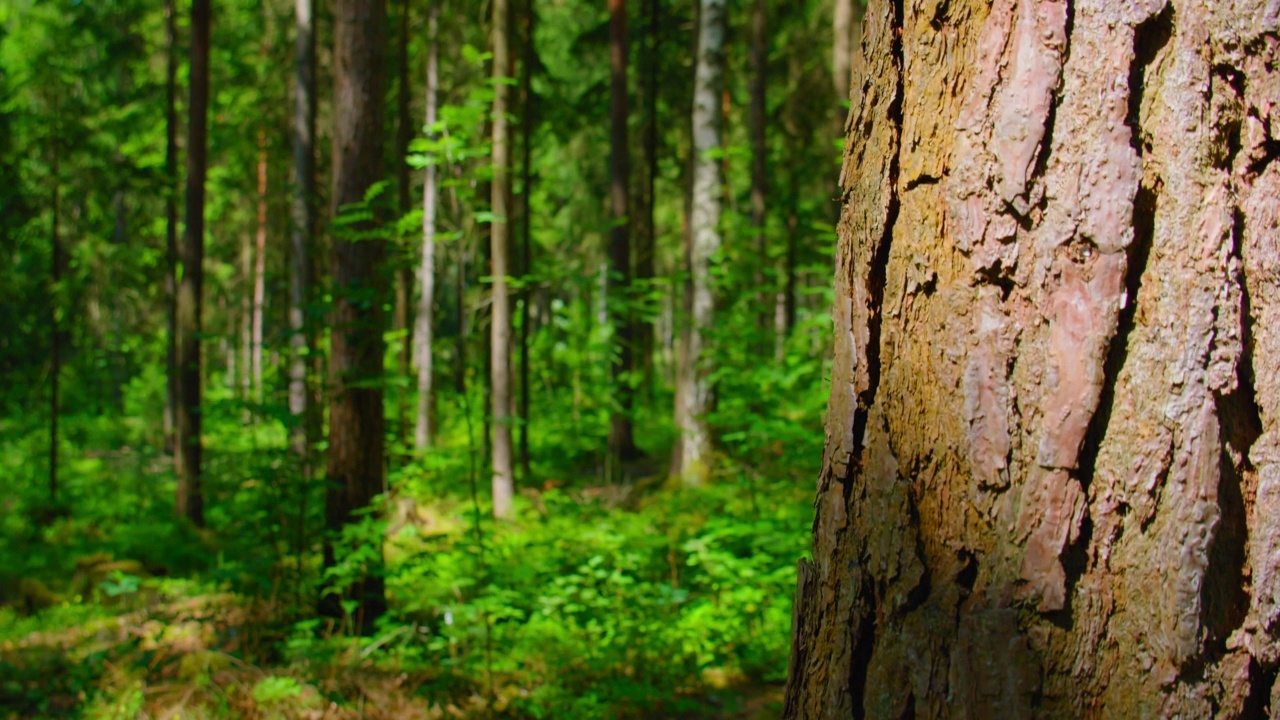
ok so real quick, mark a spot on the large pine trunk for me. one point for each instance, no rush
(1051, 486)
(356, 438)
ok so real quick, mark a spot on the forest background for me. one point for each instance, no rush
(581, 262)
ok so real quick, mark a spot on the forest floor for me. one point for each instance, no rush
(587, 610)
(180, 657)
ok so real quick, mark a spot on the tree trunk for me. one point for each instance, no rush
(526, 228)
(500, 328)
(404, 273)
(422, 335)
(647, 240)
(246, 321)
(56, 262)
(842, 50)
(693, 390)
(1053, 458)
(190, 496)
(260, 267)
(171, 219)
(356, 441)
(622, 445)
(303, 212)
(757, 129)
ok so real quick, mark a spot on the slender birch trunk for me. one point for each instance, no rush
(692, 457)
(422, 335)
(500, 328)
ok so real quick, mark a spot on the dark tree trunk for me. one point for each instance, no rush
(1052, 471)
(404, 258)
(356, 440)
(757, 130)
(526, 229)
(303, 219)
(622, 444)
(647, 240)
(190, 501)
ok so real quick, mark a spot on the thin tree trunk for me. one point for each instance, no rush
(464, 330)
(644, 341)
(246, 306)
(693, 389)
(526, 229)
(303, 219)
(422, 336)
(55, 327)
(757, 129)
(171, 220)
(260, 267)
(190, 496)
(356, 439)
(842, 51)
(1053, 443)
(404, 273)
(622, 444)
(500, 327)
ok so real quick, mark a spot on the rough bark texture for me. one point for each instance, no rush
(356, 439)
(622, 445)
(1051, 486)
(190, 497)
(499, 239)
(693, 389)
(422, 333)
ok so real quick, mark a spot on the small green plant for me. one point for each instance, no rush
(120, 583)
(276, 689)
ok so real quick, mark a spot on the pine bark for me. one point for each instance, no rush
(190, 495)
(622, 444)
(356, 438)
(693, 390)
(499, 239)
(302, 213)
(1053, 451)
(422, 335)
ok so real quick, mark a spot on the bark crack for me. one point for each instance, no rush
(879, 261)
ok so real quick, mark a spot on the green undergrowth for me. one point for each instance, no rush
(674, 604)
